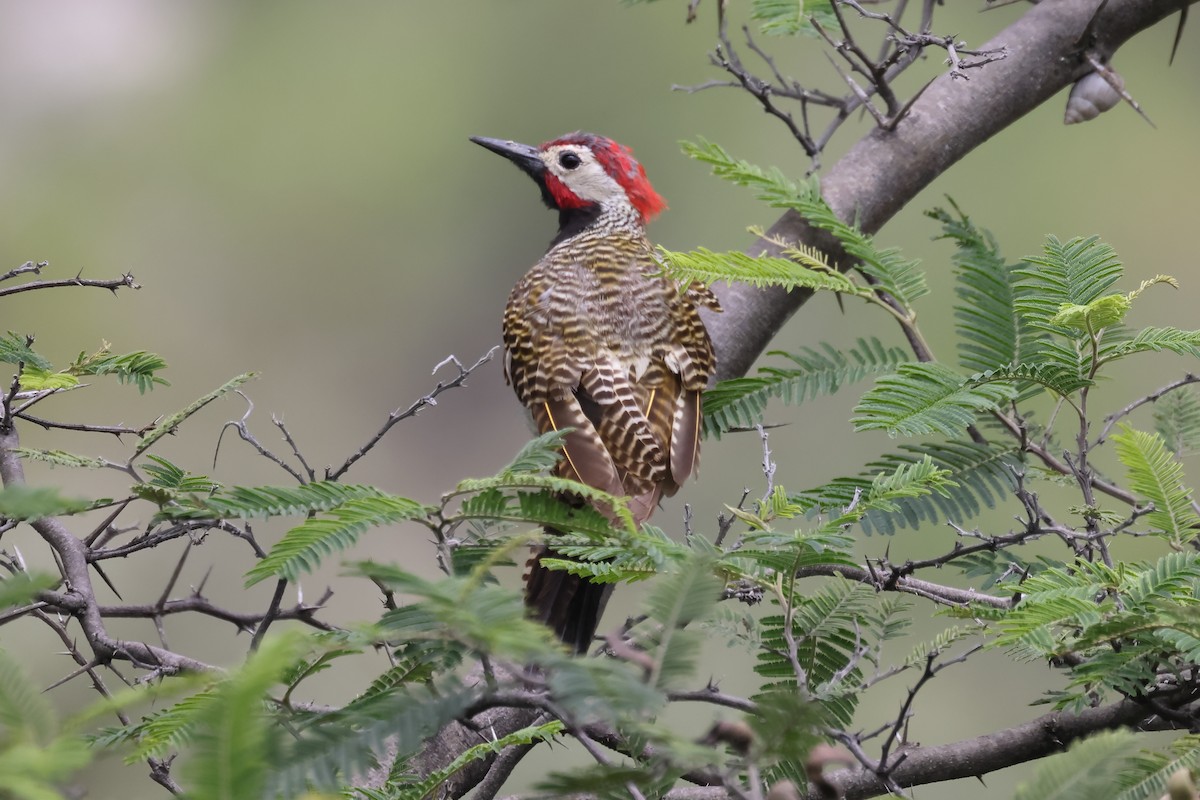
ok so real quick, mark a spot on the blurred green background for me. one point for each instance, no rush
(292, 184)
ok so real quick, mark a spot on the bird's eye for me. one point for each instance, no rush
(569, 161)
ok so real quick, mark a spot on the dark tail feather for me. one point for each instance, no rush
(569, 604)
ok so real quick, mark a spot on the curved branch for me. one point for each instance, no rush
(72, 553)
(886, 169)
(973, 758)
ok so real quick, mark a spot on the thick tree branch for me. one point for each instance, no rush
(971, 758)
(886, 169)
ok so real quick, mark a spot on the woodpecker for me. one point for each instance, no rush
(598, 341)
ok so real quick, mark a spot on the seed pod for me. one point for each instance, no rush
(1091, 95)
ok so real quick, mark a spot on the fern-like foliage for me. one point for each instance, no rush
(790, 17)
(923, 398)
(482, 615)
(1062, 380)
(990, 332)
(35, 757)
(1085, 772)
(739, 403)
(1177, 421)
(160, 732)
(17, 349)
(981, 475)
(807, 270)
(1156, 475)
(618, 555)
(303, 547)
(1154, 340)
(498, 485)
(826, 629)
(897, 276)
(1150, 772)
(29, 503)
(769, 185)
(251, 502)
(1071, 273)
(169, 423)
(543, 508)
(336, 746)
(232, 742)
(170, 483)
(539, 454)
(685, 595)
(58, 458)
(1122, 625)
(22, 587)
(139, 368)
(525, 736)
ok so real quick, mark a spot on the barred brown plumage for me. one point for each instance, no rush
(598, 340)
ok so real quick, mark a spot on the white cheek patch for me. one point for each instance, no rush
(588, 181)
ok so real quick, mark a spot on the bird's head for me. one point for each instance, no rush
(582, 170)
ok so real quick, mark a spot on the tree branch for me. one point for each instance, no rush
(886, 169)
(72, 554)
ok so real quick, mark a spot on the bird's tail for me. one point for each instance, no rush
(570, 605)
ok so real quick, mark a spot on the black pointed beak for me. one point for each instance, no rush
(524, 156)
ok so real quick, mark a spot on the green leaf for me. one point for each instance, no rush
(551, 483)
(139, 367)
(1052, 376)
(905, 482)
(1155, 769)
(1086, 771)
(34, 379)
(739, 403)
(36, 772)
(1074, 273)
(538, 455)
(60, 458)
(892, 273)
(302, 548)
(1154, 340)
(1091, 317)
(1177, 421)
(232, 742)
(1157, 476)
(685, 595)
(165, 475)
(771, 186)
(780, 17)
(27, 503)
(981, 474)
(807, 271)
(337, 744)
(22, 587)
(249, 502)
(990, 332)
(26, 715)
(15, 349)
(167, 729)
(169, 423)
(828, 628)
(924, 398)
(524, 736)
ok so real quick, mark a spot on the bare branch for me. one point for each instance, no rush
(113, 285)
(430, 399)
